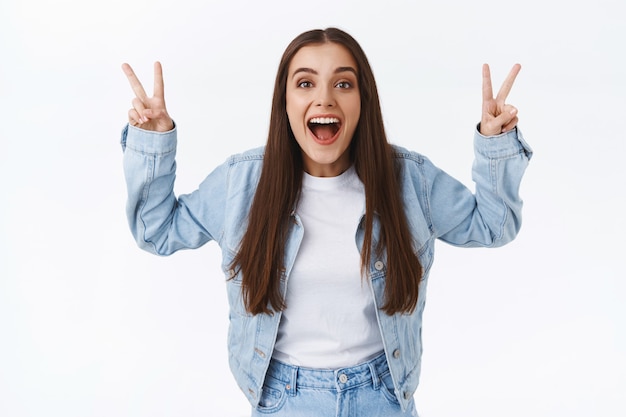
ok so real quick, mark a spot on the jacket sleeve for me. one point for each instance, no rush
(492, 215)
(160, 222)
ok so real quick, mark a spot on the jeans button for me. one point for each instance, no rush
(343, 378)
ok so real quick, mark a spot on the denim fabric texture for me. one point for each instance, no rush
(365, 390)
(437, 207)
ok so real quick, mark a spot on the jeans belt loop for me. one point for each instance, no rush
(375, 377)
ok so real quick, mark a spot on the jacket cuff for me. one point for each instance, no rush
(148, 141)
(504, 145)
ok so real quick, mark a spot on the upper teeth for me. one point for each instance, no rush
(324, 120)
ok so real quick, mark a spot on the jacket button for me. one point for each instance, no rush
(407, 395)
(379, 265)
(396, 353)
(231, 273)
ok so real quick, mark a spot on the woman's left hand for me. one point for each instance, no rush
(498, 117)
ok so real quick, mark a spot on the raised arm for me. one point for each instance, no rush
(160, 222)
(490, 216)
(148, 113)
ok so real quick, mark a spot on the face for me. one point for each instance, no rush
(323, 106)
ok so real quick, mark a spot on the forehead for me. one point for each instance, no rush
(322, 57)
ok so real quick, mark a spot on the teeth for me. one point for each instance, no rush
(324, 120)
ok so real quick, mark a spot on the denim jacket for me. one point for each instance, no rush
(437, 207)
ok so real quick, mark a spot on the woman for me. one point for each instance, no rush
(327, 233)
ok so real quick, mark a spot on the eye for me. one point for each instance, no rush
(305, 84)
(344, 84)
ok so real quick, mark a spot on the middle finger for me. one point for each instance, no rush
(487, 91)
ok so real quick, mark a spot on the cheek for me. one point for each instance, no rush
(298, 129)
(295, 123)
(357, 108)
(353, 110)
(354, 116)
(294, 114)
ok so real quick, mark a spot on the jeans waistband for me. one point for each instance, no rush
(331, 379)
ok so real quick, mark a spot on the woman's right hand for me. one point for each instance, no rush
(148, 113)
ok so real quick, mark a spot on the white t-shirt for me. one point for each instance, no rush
(330, 319)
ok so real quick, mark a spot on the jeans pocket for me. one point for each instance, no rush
(387, 388)
(273, 396)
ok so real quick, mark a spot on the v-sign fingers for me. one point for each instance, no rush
(508, 83)
(135, 84)
(158, 81)
(487, 90)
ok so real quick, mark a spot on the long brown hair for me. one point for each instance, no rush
(261, 254)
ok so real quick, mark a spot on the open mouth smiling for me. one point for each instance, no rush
(324, 129)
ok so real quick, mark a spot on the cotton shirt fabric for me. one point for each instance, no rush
(330, 319)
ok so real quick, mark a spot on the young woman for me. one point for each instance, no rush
(327, 232)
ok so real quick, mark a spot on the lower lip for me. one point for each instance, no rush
(327, 141)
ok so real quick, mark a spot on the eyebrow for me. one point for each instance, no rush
(312, 71)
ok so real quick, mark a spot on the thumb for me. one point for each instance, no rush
(508, 114)
(156, 114)
(161, 118)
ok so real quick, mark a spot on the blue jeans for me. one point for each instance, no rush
(364, 390)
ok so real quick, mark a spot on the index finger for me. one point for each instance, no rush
(158, 81)
(135, 84)
(508, 83)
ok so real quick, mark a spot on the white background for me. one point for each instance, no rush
(92, 326)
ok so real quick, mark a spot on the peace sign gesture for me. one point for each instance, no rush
(148, 113)
(498, 117)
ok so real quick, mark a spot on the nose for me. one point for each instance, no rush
(325, 97)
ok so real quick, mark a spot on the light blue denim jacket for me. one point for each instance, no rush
(437, 207)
